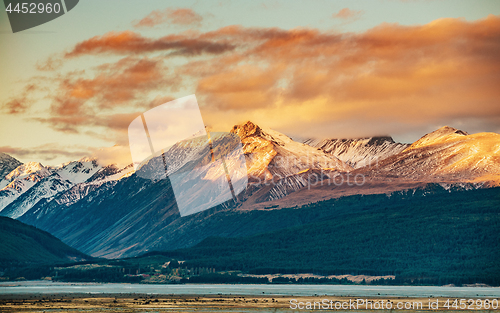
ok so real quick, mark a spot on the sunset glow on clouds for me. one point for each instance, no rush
(170, 16)
(304, 81)
(347, 13)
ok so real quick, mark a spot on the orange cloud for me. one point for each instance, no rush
(47, 151)
(116, 125)
(118, 122)
(244, 87)
(389, 79)
(158, 100)
(81, 101)
(120, 155)
(347, 13)
(113, 84)
(170, 16)
(16, 105)
(21, 103)
(128, 42)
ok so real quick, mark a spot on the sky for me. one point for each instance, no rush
(338, 69)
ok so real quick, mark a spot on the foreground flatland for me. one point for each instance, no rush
(207, 303)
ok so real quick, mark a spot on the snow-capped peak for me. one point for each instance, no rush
(447, 152)
(26, 169)
(79, 171)
(20, 180)
(31, 182)
(111, 172)
(272, 154)
(438, 136)
(359, 152)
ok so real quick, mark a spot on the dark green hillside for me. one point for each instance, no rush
(437, 238)
(21, 244)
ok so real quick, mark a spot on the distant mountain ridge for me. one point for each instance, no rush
(446, 154)
(28, 183)
(20, 180)
(359, 152)
(113, 212)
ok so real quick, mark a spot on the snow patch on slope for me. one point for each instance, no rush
(359, 152)
(78, 171)
(20, 180)
(32, 182)
(447, 153)
(45, 188)
(272, 155)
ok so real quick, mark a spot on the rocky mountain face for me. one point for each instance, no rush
(112, 212)
(112, 219)
(45, 188)
(275, 162)
(273, 155)
(7, 164)
(31, 182)
(20, 180)
(359, 152)
(448, 155)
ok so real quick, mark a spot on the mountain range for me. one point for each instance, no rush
(107, 211)
(31, 182)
